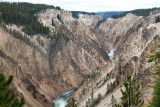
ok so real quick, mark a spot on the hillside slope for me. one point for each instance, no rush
(109, 14)
(132, 37)
(55, 53)
(46, 65)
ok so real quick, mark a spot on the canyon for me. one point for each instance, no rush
(59, 65)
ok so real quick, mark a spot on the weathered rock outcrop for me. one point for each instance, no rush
(79, 55)
(41, 73)
(112, 32)
(59, 64)
(133, 38)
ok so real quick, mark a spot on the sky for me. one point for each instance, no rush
(97, 5)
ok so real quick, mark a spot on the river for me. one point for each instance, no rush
(61, 101)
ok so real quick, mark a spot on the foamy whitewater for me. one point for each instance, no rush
(61, 101)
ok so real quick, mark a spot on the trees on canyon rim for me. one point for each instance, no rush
(127, 95)
(7, 98)
(156, 93)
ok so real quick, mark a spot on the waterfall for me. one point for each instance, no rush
(111, 54)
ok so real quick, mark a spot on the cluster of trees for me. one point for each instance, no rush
(3, 54)
(24, 38)
(23, 14)
(52, 47)
(138, 12)
(75, 13)
(157, 19)
(97, 100)
(56, 36)
(111, 86)
(40, 41)
(93, 101)
(156, 93)
(18, 35)
(73, 103)
(131, 95)
(7, 98)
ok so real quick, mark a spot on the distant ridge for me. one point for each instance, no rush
(137, 12)
(109, 14)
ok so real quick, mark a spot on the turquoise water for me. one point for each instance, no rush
(61, 101)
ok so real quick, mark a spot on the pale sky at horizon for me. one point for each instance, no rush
(97, 5)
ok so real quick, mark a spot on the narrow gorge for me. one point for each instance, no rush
(71, 55)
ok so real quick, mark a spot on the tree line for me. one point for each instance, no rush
(75, 13)
(23, 14)
(138, 12)
(7, 97)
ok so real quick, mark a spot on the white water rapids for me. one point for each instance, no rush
(61, 101)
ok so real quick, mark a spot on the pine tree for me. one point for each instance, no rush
(131, 94)
(89, 103)
(86, 103)
(53, 23)
(113, 101)
(92, 96)
(157, 19)
(109, 87)
(120, 68)
(73, 103)
(7, 98)
(156, 93)
(59, 17)
(58, 8)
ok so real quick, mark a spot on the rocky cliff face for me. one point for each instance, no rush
(112, 32)
(133, 38)
(41, 74)
(77, 56)
(31, 70)
(59, 64)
